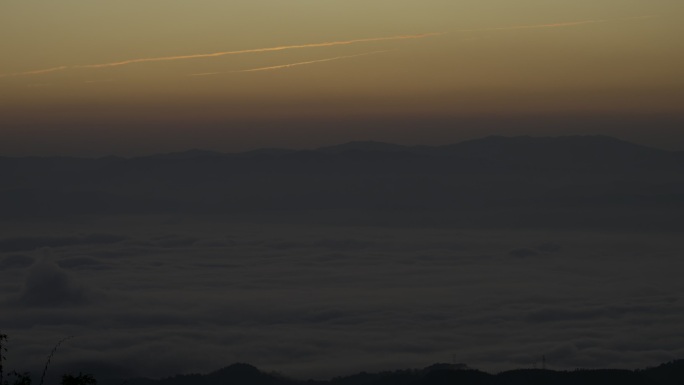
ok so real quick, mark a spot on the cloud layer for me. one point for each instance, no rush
(321, 301)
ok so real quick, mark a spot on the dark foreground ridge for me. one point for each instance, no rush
(439, 374)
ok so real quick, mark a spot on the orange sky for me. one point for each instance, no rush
(123, 77)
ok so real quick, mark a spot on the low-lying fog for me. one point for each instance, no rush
(156, 297)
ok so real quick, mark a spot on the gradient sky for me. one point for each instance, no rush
(134, 77)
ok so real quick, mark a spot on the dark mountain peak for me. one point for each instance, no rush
(241, 369)
(366, 146)
(445, 366)
(267, 152)
(189, 154)
(526, 140)
(111, 158)
(437, 374)
(574, 149)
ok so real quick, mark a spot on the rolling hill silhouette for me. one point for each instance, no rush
(439, 374)
(495, 180)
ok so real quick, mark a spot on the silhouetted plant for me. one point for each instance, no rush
(25, 378)
(81, 379)
(52, 353)
(20, 378)
(3, 350)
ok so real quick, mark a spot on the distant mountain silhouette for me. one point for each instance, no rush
(190, 154)
(234, 374)
(498, 181)
(365, 146)
(589, 149)
(439, 374)
(266, 152)
(565, 152)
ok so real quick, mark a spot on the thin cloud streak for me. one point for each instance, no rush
(316, 45)
(206, 74)
(36, 72)
(311, 62)
(641, 17)
(558, 25)
(225, 53)
(260, 50)
(283, 66)
(536, 26)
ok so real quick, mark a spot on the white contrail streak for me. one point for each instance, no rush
(535, 26)
(259, 50)
(38, 72)
(640, 17)
(225, 53)
(312, 45)
(206, 74)
(557, 25)
(311, 62)
(283, 66)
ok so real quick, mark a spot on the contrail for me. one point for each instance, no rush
(311, 45)
(557, 25)
(311, 62)
(277, 67)
(225, 53)
(259, 50)
(37, 72)
(206, 74)
(640, 17)
(535, 26)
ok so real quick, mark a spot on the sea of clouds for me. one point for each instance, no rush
(155, 298)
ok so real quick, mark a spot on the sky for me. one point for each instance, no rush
(133, 78)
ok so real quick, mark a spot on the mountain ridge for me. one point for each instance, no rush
(491, 141)
(669, 373)
(503, 177)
